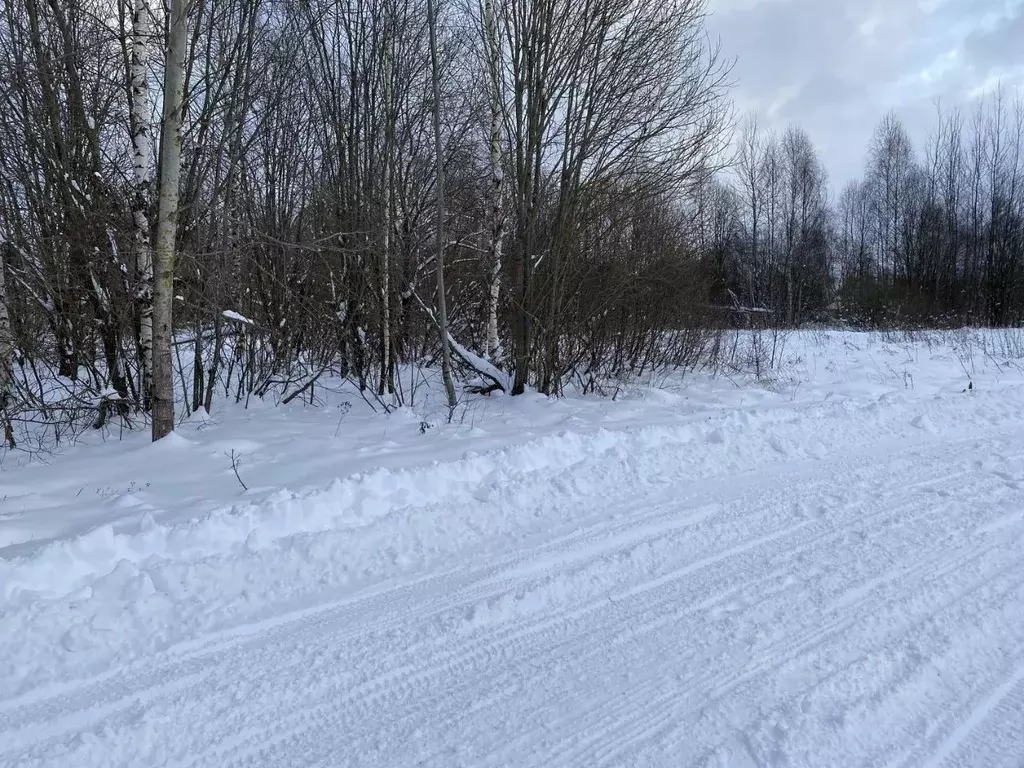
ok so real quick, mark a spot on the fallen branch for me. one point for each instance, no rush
(498, 379)
(306, 386)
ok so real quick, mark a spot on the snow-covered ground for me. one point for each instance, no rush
(824, 569)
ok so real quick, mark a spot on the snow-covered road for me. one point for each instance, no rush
(827, 583)
(864, 610)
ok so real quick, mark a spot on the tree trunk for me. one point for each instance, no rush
(109, 337)
(170, 172)
(211, 380)
(387, 383)
(198, 372)
(6, 359)
(522, 327)
(442, 306)
(142, 30)
(497, 220)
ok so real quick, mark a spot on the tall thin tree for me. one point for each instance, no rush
(163, 262)
(442, 304)
(496, 214)
(140, 116)
(6, 358)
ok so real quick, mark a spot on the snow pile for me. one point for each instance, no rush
(356, 502)
(361, 500)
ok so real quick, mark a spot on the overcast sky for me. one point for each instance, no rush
(836, 66)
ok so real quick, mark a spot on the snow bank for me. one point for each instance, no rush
(66, 567)
(78, 605)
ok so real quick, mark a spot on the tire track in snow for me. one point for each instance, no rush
(135, 700)
(608, 536)
(1005, 702)
(836, 628)
(631, 706)
(932, 613)
(642, 712)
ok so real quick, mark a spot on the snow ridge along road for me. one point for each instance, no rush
(835, 584)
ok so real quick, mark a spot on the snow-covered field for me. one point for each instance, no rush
(824, 569)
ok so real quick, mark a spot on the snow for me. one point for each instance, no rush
(230, 314)
(821, 568)
(481, 366)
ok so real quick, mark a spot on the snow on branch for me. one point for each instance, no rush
(230, 314)
(474, 361)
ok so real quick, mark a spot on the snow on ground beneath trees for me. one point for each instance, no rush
(823, 567)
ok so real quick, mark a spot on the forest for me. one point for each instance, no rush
(236, 199)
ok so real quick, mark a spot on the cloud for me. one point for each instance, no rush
(998, 46)
(835, 67)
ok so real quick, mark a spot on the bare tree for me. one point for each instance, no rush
(496, 220)
(442, 303)
(750, 169)
(600, 92)
(167, 222)
(6, 357)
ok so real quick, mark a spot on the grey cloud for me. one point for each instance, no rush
(824, 90)
(836, 66)
(999, 46)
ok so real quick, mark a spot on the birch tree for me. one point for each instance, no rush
(142, 146)
(496, 213)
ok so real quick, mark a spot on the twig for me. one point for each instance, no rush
(235, 463)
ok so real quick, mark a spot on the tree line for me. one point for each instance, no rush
(317, 139)
(927, 236)
(236, 198)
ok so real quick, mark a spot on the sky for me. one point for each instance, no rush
(835, 67)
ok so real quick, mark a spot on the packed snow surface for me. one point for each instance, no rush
(821, 569)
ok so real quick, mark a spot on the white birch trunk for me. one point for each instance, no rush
(142, 146)
(497, 220)
(163, 262)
